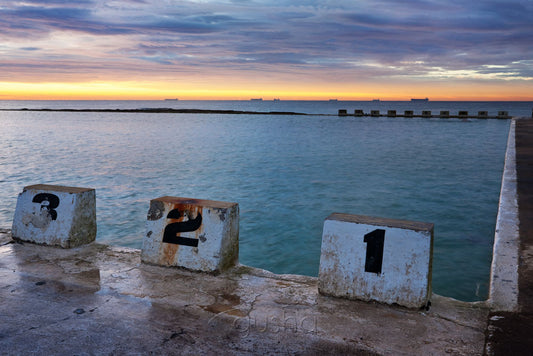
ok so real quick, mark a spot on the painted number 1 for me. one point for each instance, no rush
(374, 250)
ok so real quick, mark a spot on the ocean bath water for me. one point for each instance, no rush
(288, 173)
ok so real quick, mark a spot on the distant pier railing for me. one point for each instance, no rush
(427, 114)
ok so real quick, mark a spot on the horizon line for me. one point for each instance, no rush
(279, 99)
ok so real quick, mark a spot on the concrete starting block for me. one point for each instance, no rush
(200, 235)
(504, 115)
(369, 258)
(55, 215)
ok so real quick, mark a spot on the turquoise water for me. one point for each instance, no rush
(288, 173)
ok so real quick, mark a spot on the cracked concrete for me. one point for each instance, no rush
(99, 299)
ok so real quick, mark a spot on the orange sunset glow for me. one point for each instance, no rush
(186, 91)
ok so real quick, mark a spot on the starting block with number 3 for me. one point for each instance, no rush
(55, 215)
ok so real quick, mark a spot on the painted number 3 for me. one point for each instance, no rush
(48, 202)
(374, 250)
(172, 230)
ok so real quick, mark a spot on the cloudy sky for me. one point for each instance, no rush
(238, 49)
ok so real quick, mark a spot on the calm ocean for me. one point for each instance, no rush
(288, 173)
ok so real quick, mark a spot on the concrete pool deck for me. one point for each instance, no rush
(99, 299)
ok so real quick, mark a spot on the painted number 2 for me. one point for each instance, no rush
(172, 230)
(48, 202)
(374, 250)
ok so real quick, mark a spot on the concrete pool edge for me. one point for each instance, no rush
(503, 293)
(509, 332)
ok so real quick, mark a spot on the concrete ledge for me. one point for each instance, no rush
(503, 294)
(98, 299)
(509, 332)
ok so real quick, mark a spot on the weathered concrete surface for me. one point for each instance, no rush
(383, 260)
(511, 333)
(200, 235)
(97, 299)
(55, 215)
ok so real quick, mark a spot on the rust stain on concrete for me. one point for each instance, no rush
(169, 254)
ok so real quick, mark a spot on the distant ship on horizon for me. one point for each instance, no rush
(425, 100)
(256, 99)
(176, 99)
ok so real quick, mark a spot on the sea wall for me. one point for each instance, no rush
(503, 293)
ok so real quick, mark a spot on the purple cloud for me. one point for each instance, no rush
(381, 37)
